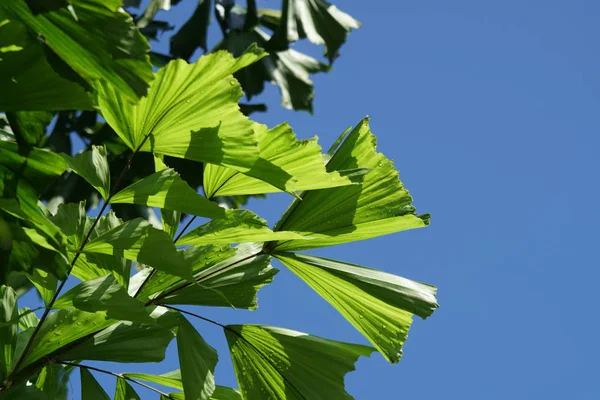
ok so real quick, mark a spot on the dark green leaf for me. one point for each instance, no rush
(92, 166)
(193, 33)
(90, 388)
(8, 333)
(197, 360)
(52, 381)
(29, 127)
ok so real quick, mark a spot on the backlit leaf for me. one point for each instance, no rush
(90, 388)
(8, 333)
(124, 391)
(280, 363)
(92, 166)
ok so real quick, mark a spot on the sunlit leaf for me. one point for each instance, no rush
(90, 388)
(379, 206)
(27, 318)
(301, 159)
(165, 189)
(44, 282)
(96, 39)
(137, 240)
(284, 364)
(92, 166)
(378, 304)
(107, 295)
(197, 360)
(239, 226)
(170, 379)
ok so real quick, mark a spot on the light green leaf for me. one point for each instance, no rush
(378, 304)
(191, 112)
(96, 39)
(27, 318)
(59, 329)
(197, 360)
(301, 159)
(317, 20)
(280, 363)
(170, 379)
(124, 391)
(92, 166)
(28, 78)
(378, 207)
(239, 226)
(107, 295)
(235, 286)
(124, 342)
(137, 240)
(166, 190)
(169, 219)
(90, 388)
(8, 333)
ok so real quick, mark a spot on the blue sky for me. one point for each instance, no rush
(490, 111)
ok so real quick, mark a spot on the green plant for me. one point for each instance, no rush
(182, 112)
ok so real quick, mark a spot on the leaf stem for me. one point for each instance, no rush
(195, 315)
(89, 367)
(75, 258)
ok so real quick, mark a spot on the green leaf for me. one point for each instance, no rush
(197, 360)
(124, 391)
(29, 127)
(107, 295)
(96, 39)
(165, 189)
(193, 33)
(59, 329)
(378, 304)
(290, 70)
(169, 219)
(74, 223)
(52, 381)
(92, 166)
(125, 342)
(226, 393)
(280, 363)
(301, 159)
(8, 333)
(379, 206)
(170, 379)
(39, 167)
(27, 319)
(239, 226)
(190, 112)
(44, 282)
(137, 240)
(28, 77)
(201, 258)
(90, 388)
(235, 286)
(317, 20)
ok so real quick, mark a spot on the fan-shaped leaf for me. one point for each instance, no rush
(379, 206)
(284, 364)
(378, 304)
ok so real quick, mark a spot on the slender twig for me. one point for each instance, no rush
(195, 315)
(151, 274)
(75, 258)
(116, 375)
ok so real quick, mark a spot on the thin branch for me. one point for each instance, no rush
(75, 258)
(116, 375)
(195, 315)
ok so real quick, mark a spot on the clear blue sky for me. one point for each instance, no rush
(490, 110)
